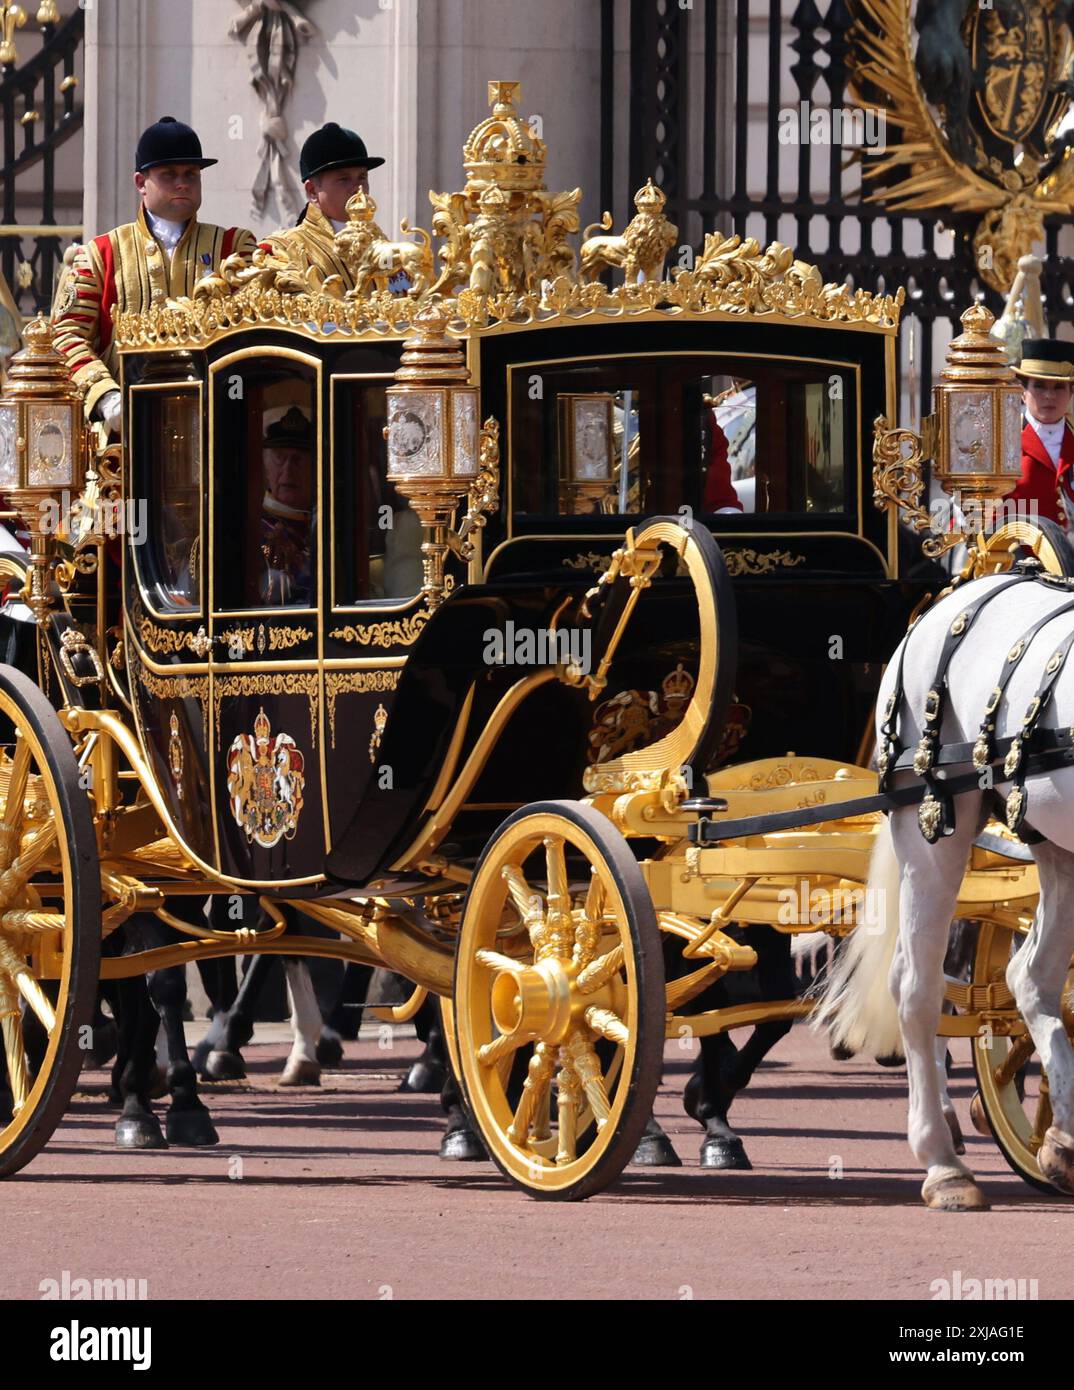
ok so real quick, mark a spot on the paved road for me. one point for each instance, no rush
(341, 1194)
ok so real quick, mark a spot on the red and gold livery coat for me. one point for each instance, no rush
(128, 269)
(1041, 481)
(312, 242)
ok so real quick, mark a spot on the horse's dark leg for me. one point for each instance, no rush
(132, 1074)
(655, 1149)
(104, 1038)
(723, 1069)
(707, 1099)
(220, 981)
(345, 1018)
(428, 1074)
(187, 1120)
(236, 1027)
(460, 1143)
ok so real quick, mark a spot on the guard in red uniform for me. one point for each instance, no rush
(1047, 371)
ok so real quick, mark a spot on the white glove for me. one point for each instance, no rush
(110, 409)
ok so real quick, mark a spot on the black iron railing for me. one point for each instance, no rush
(705, 116)
(40, 109)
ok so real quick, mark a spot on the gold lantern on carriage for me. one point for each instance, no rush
(973, 438)
(434, 443)
(976, 426)
(42, 449)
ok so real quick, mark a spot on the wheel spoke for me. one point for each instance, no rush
(537, 1081)
(556, 865)
(23, 919)
(595, 897)
(1018, 1054)
(608, 1024)
(1043, 1116)
(14, 878)
(601, 970)
(19, 972)
(528, 902)
(542, 1120)
(15, 1052)
(568, 1103)
(587, 1065)
(11, 824)
(492, 1053)
(587, 927)
(495, 961)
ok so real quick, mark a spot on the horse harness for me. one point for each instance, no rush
(1032, 750)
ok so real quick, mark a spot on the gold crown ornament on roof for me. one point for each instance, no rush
(506, 254)
(503, 149)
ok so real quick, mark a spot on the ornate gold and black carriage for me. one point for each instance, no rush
(441, 617)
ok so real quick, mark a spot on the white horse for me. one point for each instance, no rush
(889, 981)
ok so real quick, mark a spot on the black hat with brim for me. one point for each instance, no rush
(1046, 359)
(290, 431)
(169, 141)
(334, 147)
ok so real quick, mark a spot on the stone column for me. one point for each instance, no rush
(117, 40)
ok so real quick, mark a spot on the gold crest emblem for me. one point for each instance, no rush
(175, 754)
(265, 778)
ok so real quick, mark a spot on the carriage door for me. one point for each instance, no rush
(376, 614)
(266, 520)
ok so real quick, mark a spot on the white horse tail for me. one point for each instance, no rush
(855, 1003)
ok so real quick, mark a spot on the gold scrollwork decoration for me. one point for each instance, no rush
(899, 480)
(178, 688)
(284, 638)
(275, 638)
(588, 560)
(353, 683)
(168, 641)
(267, 683)
(748, 561)
(783, 775)
(397, 634)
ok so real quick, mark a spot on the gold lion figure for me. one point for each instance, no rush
(372, 258)
(642, 248)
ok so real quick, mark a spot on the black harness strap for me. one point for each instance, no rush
(1053, 748)
(888, 754)
(1014, 765)
(982, 749)
(936, 814)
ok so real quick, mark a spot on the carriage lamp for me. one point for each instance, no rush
(973, 437)
(586, 451)
(42, 449)
(977, 413)
(434, 443)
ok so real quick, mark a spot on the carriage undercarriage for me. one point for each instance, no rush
(547, 954)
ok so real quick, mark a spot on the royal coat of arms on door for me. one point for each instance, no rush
(265, 777)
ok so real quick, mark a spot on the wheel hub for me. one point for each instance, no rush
(534, 1001)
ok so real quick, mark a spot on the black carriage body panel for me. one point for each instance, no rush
(212, 667)
(371, 693)
(516, 366)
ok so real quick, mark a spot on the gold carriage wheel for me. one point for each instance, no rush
(1046, 541)
(579, 1002)
(50, 920)
(1011, 1084)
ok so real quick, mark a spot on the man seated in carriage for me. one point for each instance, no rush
(1047, 372)
(286, 526)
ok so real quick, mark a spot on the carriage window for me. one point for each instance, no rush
(653, 434)
(265, 479)
(167, 433)
(377, 535)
